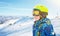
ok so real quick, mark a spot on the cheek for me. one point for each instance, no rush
(36, 18)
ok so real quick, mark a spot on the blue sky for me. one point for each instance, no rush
(25, 7)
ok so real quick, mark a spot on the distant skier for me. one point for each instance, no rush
(42, 25)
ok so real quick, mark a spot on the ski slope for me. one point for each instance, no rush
(23, 27)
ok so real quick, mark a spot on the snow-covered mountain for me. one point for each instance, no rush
(56, 25)
(16, 27)
(22, 26)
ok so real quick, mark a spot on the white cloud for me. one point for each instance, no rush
(17, 8)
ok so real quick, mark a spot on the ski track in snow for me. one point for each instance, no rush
(23, 27)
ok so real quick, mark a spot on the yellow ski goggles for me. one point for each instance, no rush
(36, 13)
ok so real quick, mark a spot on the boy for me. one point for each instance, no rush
(42, 25)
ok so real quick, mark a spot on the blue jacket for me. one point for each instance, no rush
(43, 28)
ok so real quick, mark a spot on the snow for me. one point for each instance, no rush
(23, 27)
(56, 25)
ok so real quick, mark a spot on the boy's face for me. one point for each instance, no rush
(36, 15)
(36, 18)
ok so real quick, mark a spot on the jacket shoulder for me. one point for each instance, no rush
(48, 21)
